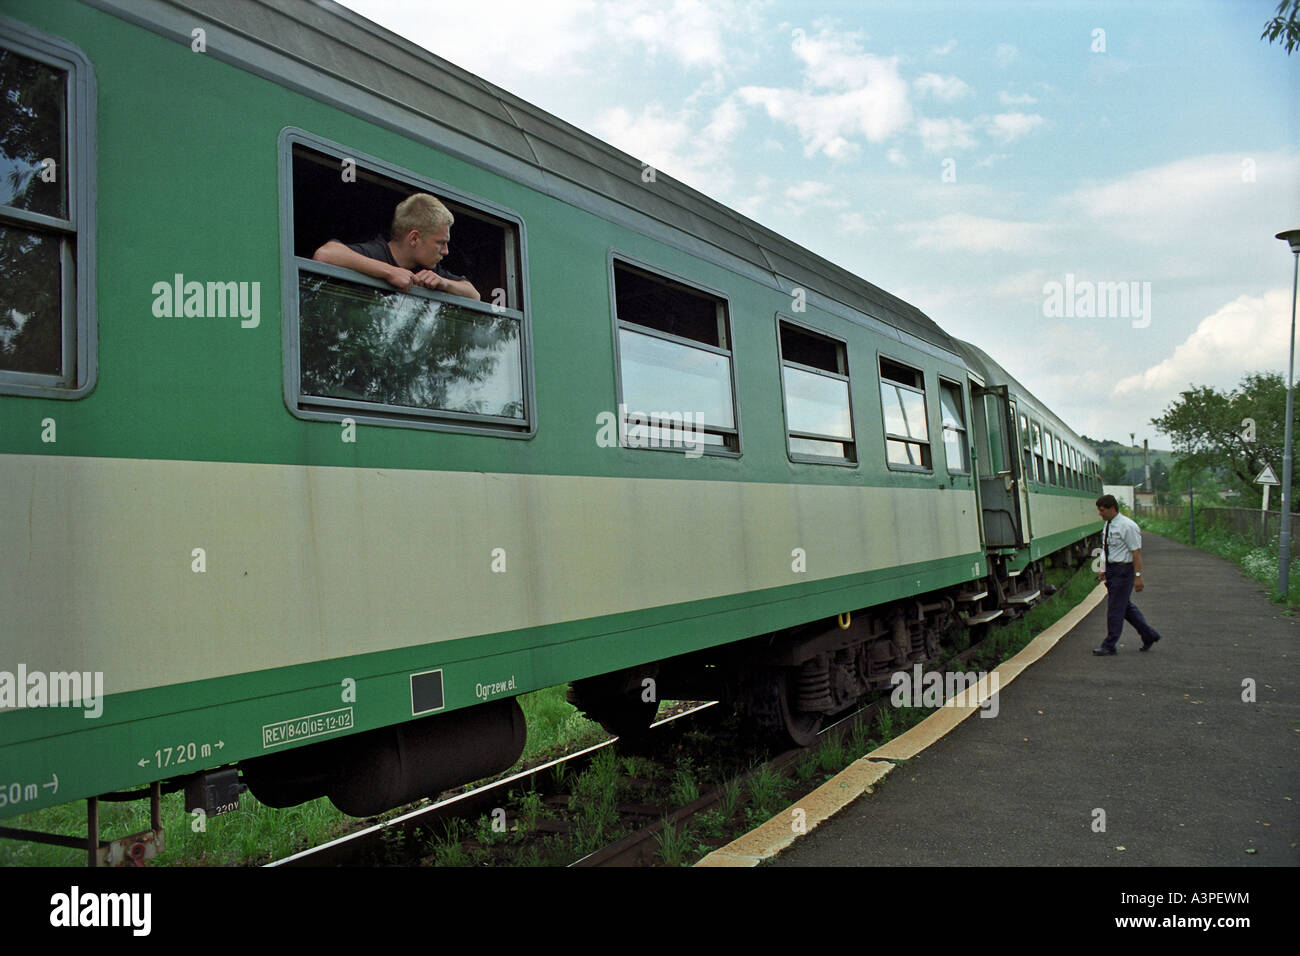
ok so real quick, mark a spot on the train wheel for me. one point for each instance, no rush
(775, 707)
(616, 705)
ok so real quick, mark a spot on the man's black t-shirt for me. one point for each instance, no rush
(377, 248)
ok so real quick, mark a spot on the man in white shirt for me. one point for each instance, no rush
(1121, 548)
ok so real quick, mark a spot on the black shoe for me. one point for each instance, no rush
(1146, 646)
(1103, 651)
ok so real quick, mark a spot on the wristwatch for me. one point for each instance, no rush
(1137, 574)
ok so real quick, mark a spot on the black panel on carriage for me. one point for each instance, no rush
(426, 692)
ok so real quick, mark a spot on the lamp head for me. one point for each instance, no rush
(1291, 236)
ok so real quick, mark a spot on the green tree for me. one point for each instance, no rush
(1285, 26)
(1214, 431)
(1113, 470)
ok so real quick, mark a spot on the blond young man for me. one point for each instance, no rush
(418, 240)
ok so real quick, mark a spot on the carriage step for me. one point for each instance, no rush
(983, 617)
(969, 597)
(1024, 597)
(1015, 573)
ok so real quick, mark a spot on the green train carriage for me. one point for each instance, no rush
(298, 521)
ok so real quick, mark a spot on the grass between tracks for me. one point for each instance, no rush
(256, 833)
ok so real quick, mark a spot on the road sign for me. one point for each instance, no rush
(1266, 477)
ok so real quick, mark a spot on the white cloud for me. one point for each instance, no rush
(663, 140)
(1006, 54)
(1225, 196)
(1248, 333)
(853, 223)
(1008, 127)
(946, 88)
(1016, 99)
(691, 32)
(808, 191)
(943, 50)
(550, 38)
(827, 122)
(895, 156)
(959, 232)
(727, 120)
(945, 135)
(847, 94)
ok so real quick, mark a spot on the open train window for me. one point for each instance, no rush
(1027, 449)
(954, 428)
(815, 387)
(357, 347)
(675, 368)
(1040, 471)
(47, 123)
(907, 429)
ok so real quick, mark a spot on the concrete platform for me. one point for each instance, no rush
(1161, 747)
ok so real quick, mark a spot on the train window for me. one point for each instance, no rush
(1040, 471)
(1060, 463)
(815, 384)
(1026, 443)
(47, 327)
(417, 358)
(676, 386)
(954, 427)
(907, 429)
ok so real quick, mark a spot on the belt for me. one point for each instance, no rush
(1119, 564)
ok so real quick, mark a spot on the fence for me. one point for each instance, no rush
(1246, 522)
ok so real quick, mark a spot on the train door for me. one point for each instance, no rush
(1024, 467)
(999, 473)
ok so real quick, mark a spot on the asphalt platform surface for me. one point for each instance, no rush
(1186, 772)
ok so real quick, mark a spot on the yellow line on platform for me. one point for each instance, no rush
(858, 777)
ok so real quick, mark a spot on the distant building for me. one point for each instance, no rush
(1123, 494)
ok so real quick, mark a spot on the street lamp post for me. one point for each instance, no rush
(1291, 237)
(1132, 441)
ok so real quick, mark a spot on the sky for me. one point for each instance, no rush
(1087, 191)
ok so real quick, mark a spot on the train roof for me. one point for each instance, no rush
(333, 40)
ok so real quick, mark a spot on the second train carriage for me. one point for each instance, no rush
(306, 525)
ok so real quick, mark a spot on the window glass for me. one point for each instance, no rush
(675, 363)
(388, 348)
(46, 250)
(907, 430)
(817, 404)
(33, 129)
(662, 377)
(954, 427)
(31, 306)
(815, 385)
(1040, 469)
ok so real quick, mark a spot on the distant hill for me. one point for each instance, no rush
(1105, 448)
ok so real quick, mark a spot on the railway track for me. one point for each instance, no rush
(404, 840)
(380, 842)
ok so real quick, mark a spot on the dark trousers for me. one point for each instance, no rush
(1119, 607)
